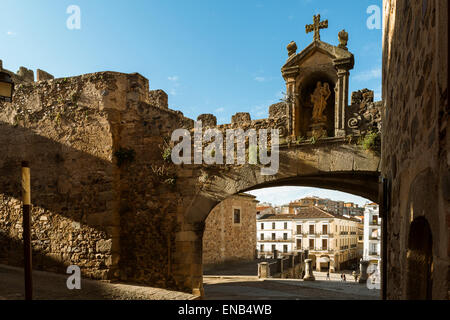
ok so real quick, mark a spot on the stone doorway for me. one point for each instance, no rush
(419, 261)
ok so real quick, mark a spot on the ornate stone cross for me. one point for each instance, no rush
(316, 27)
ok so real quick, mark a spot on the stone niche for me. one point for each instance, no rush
(329, 65)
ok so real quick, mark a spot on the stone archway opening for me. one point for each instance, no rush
(237, 249)
(419, 261)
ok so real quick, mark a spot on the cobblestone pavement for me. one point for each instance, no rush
(51, 286)
(251, 288)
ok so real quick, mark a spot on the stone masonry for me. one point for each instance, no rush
(416, 148)
(227, 241)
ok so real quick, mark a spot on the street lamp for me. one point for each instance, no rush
(6, 87)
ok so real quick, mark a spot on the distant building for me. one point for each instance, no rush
(230, 231)
(372, 234)
(265, 208)
(330, 239)
(337, 207)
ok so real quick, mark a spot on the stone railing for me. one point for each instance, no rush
(289, 267)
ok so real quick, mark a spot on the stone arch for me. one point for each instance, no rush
(331, 164)
(419, 261)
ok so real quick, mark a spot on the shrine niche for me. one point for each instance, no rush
(317, 85)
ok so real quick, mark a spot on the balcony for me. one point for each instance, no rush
(375, 238)
(324, 234)
(374, 223)
(316, 234)
(374, 253)
(276, 240)
(318, 249)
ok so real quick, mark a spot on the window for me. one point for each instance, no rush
(299, 229)
(324, 229)
(285, 225)
(273, 236)
(237, 216)
(273, 225)
(262, 248)
(311, 229)
(311, 244)
(262, 226)
(324, 244)
(274, 247)
(262, 236)
(285, 236)
(285, 248)
(299, 244)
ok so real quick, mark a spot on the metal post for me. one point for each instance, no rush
(26, 209)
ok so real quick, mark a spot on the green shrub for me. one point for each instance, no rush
(371, 141)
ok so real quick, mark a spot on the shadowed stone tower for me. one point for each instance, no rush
(317, 85)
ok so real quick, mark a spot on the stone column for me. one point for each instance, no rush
(332, 266)
(263, 270)
(292, 105)
(363, 265)
(341, 101)
(188, 267)
(309, 276)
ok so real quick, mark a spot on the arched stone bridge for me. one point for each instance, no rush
(331, 163)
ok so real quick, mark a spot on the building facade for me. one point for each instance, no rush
(331, 240)
(275, 233)
(372, 234)
(230, 231)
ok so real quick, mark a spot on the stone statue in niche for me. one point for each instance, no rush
(320, 99)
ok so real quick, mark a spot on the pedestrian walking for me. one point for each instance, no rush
(328, 275)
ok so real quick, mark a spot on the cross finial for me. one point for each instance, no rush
(316, 27)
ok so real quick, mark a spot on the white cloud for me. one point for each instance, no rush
(174, 78)
(11, 33)
(284, 195)
(260, 79)
(220, 110)
(368, 75)
(173, 92)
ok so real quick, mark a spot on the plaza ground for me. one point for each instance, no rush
(240, 282)
(51, 286)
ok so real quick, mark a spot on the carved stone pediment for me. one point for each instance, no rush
(320, 53)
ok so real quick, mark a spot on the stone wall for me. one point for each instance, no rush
(101, 192)
(224, 241)
(416, 145)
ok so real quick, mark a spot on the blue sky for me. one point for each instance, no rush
(210, 56)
